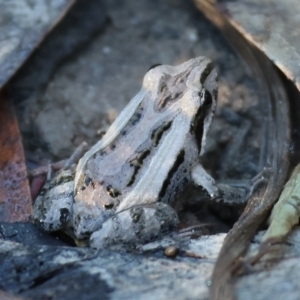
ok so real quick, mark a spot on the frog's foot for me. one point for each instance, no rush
(227, 191)
(52, 209)
(239, 191)
(136, 225)
(259, 178)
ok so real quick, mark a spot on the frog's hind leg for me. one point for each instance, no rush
(52, 209)
(137, 225)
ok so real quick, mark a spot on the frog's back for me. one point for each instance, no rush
(147, 153)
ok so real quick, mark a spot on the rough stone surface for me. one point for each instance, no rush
(23, 25)
(38, 271)
(273, 26)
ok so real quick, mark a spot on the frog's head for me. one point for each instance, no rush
(190, 88)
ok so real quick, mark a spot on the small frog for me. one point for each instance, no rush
(123, 187)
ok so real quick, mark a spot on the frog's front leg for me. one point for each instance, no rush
(137, 225)
(52, 209)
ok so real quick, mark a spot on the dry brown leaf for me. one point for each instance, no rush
(15, 200)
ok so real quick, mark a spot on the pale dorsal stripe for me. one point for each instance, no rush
(113, 131)
(149, 186)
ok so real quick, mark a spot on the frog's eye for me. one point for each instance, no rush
(207, 98)
(154, 66)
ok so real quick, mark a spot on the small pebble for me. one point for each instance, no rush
(171, 251)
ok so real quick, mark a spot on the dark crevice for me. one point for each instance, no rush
(172, 172)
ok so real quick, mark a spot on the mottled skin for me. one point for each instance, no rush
(124, 184)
